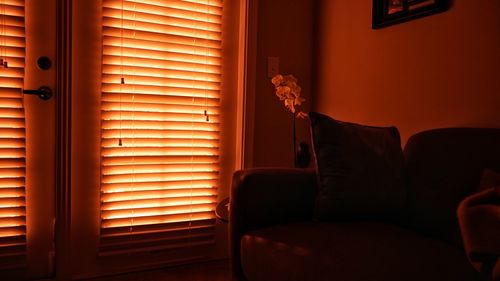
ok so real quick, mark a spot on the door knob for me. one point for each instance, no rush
(44, 92)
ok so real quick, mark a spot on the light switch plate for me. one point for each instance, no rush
(273, 66)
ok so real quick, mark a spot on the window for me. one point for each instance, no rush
(161, 76)
(12, 136)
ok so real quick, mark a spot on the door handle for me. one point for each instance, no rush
(44, 92)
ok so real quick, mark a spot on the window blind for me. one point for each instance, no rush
(161, 76)
(12, 136)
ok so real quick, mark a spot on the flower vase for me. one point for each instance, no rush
(294, 140)
(302, 155)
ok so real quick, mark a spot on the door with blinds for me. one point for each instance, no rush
(161, 76)
(26, 140)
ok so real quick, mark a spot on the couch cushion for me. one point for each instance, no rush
(443, 166)
(349, 251)
(360, 170)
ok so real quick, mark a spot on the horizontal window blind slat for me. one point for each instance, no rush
(204, 75)
(157, 219)
(137, 177)
(12, 31)
(9, 231)
(12, 8)
(119, 233)
(11, 20)
(13, 191)
(13, 256)
(165, 203)
(12, 252)
(171, 27)
(204, 59)
(159, 168)
(11, 133)
(144, 247)
(12, 240)
(167, 63)
(158, 90)
(129, 46)
(150, 240)
(134, 80)
(156, 215)
(150, 101)
(12, 152)
(9, 92)
(12, 210)
(13, 122)
(156, 185)
(166, 242)
(161, 73)
(160, 125)
(138, 45)
(9, 250)
(12, 221)
(12, 45)
(158, 151)
(177, 134)
(194, 21)
(14, 82)
(11, 182)
(175, 8)
(194, 113)
(153, 37)
(175, 3)
(19, 3)
(161, 142)
(114, 188)
(13, 262)
(164, 193)
(188, 232)
(13, 62)
(154, 159)
(12, 173)
(11, 143)
(15, 72)
(158, 111)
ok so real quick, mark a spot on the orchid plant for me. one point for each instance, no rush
(288, 91)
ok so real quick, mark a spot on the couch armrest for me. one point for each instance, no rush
(479, 217)
(263, 197)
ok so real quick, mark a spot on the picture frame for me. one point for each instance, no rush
(389, 12)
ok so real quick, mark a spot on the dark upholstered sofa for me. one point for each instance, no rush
(273, 236)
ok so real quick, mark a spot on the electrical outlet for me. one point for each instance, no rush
(273, 66)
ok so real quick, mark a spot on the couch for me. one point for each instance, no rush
(273, 235)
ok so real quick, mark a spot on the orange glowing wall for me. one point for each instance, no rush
(439, 71)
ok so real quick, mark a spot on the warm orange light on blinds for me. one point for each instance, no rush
(12, 135)
(161, 77)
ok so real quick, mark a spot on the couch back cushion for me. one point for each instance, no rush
(359, 168)
(443, 166)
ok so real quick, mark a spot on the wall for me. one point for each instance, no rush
(284, 30)
(86, 137)
(439, 71)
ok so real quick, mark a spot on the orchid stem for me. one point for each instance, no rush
(294, 145)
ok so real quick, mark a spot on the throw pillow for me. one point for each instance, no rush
(359, 169)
